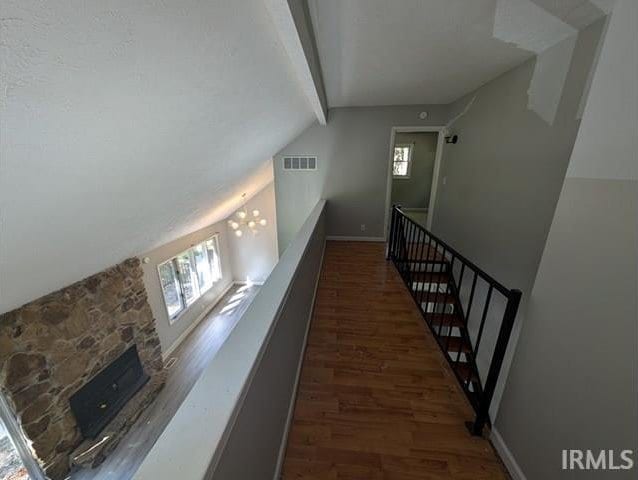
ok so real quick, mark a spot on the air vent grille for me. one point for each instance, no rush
(300, 163)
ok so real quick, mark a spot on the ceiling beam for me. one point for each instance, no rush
(292, 20)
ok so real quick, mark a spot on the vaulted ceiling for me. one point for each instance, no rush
(126, 124)
(379, 52)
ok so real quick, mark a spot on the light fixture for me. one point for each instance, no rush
(244, 223)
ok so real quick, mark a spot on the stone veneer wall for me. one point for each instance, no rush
(52, 346)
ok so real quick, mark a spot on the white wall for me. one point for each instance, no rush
(124, 123)
(169, 334)
(254, 256)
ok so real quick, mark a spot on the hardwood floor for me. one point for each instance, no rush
(192, 355)
(376, 398)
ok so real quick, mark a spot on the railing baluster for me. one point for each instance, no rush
(471, 299)
(483, 317)
(448, 291)
(425, 266)
(438, 289)
(418, 256)
(482, 415)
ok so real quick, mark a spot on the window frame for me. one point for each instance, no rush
(174, 261)
(410, 147)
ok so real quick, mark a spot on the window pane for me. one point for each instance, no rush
(401, 161)
(188, 277)
(400, 169)
(170, 288)
(11, 466)
(213, 257)
(202, 265)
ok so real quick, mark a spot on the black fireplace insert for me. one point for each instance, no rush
(97, 402)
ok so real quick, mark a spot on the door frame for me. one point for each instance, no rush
(441, 131)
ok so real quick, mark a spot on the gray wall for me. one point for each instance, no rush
(414, 192)
(253, 445)
(573, 382)
(503, 179)
(169, 333)
(353, 155)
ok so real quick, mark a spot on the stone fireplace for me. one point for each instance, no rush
(61, 346)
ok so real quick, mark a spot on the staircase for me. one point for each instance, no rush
(457, 300)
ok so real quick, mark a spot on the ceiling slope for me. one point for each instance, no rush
(407, 52)
(127, 124)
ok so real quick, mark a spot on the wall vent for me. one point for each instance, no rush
(300, 163)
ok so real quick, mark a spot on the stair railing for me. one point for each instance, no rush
(419, 254)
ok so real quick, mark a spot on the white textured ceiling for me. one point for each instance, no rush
(126, 124)
(379, 52)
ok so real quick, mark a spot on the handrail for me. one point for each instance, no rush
(192, 443)
(486, 276)
(418, 253)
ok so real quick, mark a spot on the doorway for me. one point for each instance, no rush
(415, 158)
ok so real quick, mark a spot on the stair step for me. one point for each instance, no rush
(437, 297)
(423, 252)
(430, 277)
(455, 344)
(466, 372)
(447, 319)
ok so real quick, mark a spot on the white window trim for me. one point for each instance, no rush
(410, 151)
(176, 316)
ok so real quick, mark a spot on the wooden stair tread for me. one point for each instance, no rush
(455, 344)
(447, 319)
(466, 372)
(430, 277)
(436, 297)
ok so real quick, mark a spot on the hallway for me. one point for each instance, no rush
(376, 398)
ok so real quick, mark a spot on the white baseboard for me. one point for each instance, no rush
(291, 408)
(192, 326)
(506, 455)
(341, 238)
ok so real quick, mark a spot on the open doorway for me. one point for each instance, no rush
(415, 158)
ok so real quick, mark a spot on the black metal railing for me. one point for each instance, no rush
(458, 300)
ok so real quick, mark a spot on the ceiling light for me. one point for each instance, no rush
(255, 213)
(263, 222)
(239, 233)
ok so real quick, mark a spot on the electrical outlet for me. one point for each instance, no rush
(444, 180)
(363, 227)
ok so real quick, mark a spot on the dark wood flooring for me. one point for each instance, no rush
(192, 355)
(377, 399)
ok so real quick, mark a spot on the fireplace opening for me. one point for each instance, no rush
(97, 402)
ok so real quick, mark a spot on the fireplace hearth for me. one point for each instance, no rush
(97, 402)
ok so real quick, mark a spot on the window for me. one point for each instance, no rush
(402, 162)
(187, 276)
